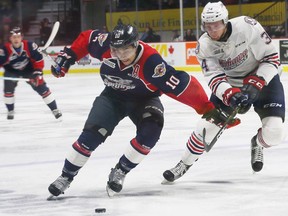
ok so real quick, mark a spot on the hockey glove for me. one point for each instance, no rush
(219, 117)
(36, 78)
(233, 97)
(252, 85)
(64, 60)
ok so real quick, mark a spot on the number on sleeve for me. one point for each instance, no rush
(204, 65)
(173, 82)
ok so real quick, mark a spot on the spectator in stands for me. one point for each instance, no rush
(104, 29)
(45, 31)
(176, 36)
(150, 36)
(170, 4)
(5, 34)
(189, 36)
(230, 2)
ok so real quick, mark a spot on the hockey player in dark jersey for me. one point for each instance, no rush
(135, 75)
(21, 59)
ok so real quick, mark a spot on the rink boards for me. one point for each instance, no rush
(180, 55)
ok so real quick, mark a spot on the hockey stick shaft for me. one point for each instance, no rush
(15, 79)
(208, 146)
(52, 35)
(54, 64)
(48, 43)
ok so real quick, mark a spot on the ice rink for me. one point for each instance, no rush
(34, 145)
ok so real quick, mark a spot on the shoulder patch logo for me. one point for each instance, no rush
(250, 20)
(102, 38)
(159, 70)
(34, 46)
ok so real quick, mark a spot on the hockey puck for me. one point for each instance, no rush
(100, 210)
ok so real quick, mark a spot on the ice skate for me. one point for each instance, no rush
(57, 114)
(175, 173)
(59, 186)
(256, 155)
(10, 115)
(115, 182)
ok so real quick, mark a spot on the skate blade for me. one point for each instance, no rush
(60, 119)
(110, 192)
(51, 197)
(165, 182)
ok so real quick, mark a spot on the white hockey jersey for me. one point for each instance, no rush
(248, 50)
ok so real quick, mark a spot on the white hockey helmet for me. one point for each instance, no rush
(214, 12)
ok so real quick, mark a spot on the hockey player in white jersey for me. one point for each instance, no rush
(241, 67)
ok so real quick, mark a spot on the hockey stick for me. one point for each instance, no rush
(208, 146)
(15, 79)
(52, 35)
(48, 43)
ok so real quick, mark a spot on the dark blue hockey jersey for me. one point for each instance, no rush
(26, 61)
(148, 76)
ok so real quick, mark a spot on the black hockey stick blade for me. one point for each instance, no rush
(208, 146)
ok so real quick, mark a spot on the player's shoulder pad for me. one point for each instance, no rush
(3, 55)
(148, 50)
(3, 51)
(244, 24)
(154, 65)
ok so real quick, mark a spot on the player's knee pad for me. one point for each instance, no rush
(272, 131)
(89, 140)
(149, 129)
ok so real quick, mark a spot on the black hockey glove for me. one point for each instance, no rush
(233, 97)
(64, 60)
(219, 117)
(36, 78)
(252, 85)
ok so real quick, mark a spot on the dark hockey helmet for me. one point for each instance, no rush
(124, 35)
(16, 31)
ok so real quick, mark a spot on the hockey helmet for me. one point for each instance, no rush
(214, 12)
(124, 35)
(16, 31)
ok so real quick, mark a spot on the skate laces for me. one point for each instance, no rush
(117, 176)
(180, 169)
(57, 113)
(61, 183)
(257, 152)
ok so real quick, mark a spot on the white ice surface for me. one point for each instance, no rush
(34, 145)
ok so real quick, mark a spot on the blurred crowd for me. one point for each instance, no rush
(71, 27)
(7, 13)
(127, 5)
